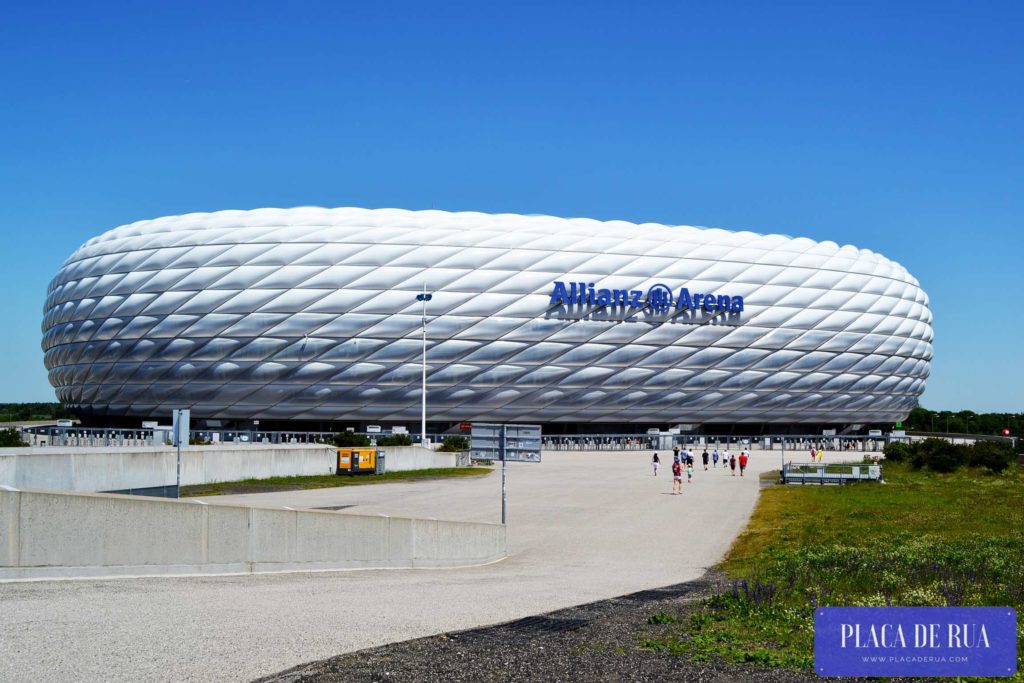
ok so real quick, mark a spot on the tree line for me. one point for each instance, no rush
(19, 412)
(964, 422)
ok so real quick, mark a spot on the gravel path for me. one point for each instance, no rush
(594, 642)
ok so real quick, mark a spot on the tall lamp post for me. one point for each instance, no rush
(424, 298)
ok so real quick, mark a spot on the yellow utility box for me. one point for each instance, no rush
(357, 460)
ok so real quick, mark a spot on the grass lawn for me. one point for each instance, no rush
(325, 481)
(920, 539)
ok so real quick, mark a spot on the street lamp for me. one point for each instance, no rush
(424, 298)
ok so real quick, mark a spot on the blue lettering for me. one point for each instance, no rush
(559, 295)
(684, 301)
(586, 293)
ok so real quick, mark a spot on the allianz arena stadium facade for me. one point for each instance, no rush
(311, 314)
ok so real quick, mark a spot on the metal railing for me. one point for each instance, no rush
(831, 473)
(638, 442)
(49, 435)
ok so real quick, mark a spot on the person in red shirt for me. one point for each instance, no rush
(743, 462)
(677, 477)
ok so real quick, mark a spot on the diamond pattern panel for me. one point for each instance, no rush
(311, 313)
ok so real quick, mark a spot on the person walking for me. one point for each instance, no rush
(675, 451)
(704, 457)
(655, 463)
(714, 456)
(814, 453)
(732, 464)
(677, 477)
(689, 473)
(743, 462)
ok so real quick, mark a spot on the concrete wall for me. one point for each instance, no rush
(116, 469)
(59, 534)
(404, 458)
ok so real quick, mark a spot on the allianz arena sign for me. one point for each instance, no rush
(311, 314)
(658, 298)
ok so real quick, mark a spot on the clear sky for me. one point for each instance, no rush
(897, 127)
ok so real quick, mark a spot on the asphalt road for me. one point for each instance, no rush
(583, 526)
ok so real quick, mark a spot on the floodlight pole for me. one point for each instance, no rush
(424, 298)
(504, 489)
(782, 471)
(177, 479)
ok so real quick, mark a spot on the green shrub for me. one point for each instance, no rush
(350, 440)
(661, 618)
(454, 444)
(992, 455)
(395, 440)
(939, 455)
(897, 451)
(11, 438)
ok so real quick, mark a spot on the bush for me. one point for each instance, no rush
(454, 444)
(897, 451)
(939, 455)
(350, 440)
(11, 438)
(395, 440)
(992, 455)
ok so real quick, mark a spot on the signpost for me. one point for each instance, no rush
(179, 433)
(508, 443)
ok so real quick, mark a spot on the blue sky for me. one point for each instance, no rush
(897, 127)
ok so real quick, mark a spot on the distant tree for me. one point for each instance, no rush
(454, 444)
(992, 455)
(395, 440)
(30, 412)
(11, 438)
(351, 440)
(897, 451)
(938, 455)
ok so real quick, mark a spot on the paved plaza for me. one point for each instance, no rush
(583, 526)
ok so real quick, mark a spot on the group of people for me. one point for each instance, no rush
(682, 459)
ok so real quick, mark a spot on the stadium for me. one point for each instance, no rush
(310, 316)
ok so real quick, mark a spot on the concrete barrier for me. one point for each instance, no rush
(46, 534)
(120, 469)
(69, 468)
(405, 458)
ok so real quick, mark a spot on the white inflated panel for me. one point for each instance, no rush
(311, 313)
